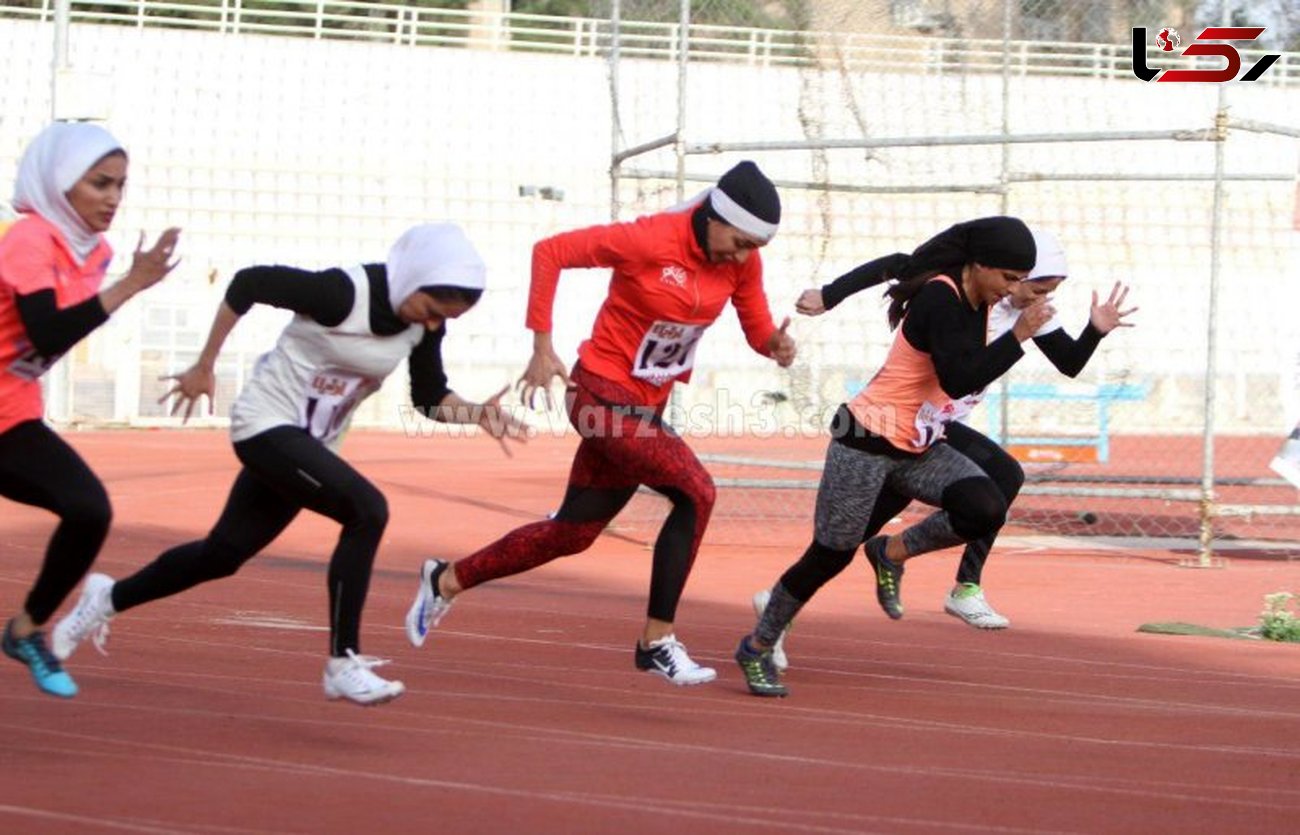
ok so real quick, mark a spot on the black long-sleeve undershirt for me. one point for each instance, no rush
(327, 297)
(1067, 354)
(944, 325)
(428, 378)
(874, 272)
(53, 331)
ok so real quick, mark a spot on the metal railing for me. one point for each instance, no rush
(584, 36)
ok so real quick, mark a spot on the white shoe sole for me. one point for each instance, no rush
(978, 623)
(395, 689)
(712, 676)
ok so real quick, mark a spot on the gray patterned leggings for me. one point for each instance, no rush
(970, 507)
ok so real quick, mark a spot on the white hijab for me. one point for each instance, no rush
(52, 164)
(433, 255)
(1051, 257)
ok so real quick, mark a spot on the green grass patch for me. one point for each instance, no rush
(1278, 622)
(1175, 628)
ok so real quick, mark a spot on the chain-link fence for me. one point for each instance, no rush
(883, 123)
(1185, 192)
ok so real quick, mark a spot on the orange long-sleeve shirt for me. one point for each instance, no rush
(663, 294)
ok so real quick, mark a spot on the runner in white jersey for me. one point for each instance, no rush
(352, 327)
(316, 375)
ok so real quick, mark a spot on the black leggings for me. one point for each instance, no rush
(38, 468)
(285, 470)
(996, 462)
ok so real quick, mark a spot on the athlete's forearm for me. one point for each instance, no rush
(222, 324)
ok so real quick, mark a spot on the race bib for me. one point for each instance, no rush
(666, 352)
(962, 407)
(328, 402)
(930, 421)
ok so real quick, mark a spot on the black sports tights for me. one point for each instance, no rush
(38, 468)
(285, 470)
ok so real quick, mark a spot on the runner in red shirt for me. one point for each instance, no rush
(52, 262)
(673, 274)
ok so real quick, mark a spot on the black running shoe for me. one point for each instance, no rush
(759, 669)
(889, 576)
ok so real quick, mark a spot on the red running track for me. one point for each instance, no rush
(524, 712)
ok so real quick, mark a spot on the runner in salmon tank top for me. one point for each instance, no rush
(966, 600)
(892, 433)
(673, 273)
(351, 328)
(53, 261)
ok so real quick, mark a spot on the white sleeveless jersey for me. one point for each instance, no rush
(315, 376)
(1002, 318)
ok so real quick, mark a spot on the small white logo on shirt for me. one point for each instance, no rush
(674, 275)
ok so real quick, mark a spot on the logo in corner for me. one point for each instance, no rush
(1168, 41)
(674, 275)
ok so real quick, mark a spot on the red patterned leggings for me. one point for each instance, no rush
(622, 447)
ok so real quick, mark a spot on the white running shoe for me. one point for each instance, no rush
(974, 609)
(667, 658)
(88, 619)
(779, 658)
(351, 678)
(429, 606)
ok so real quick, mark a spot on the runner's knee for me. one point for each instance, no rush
(703, 491)
(975, 506)
(87, 510)
(570, 538)
(367, 509)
